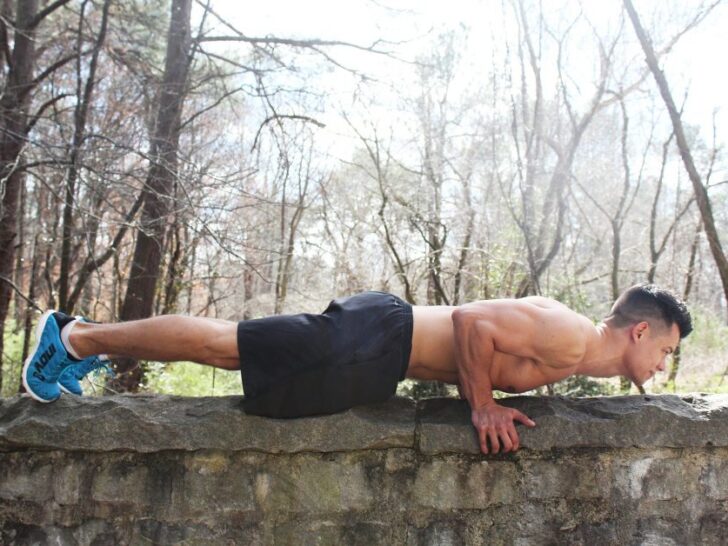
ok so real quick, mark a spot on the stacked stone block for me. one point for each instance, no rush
(169, 470)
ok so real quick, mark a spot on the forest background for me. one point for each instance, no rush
(234, 161)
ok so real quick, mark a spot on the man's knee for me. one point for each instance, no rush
(221, 345)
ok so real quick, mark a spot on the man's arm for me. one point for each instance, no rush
(526, 328)
(474, 350)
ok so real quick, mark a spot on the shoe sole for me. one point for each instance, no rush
(38, 331)
(64, 389)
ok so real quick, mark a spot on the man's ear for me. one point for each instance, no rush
(640, 330)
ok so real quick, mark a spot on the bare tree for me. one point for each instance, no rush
(630, 187)
(542, 228)
(464, 253)
(84, 94)
(16, 121)
(657, 249)
(289, 226)
(139, 299)
(380, 161)
(701, 194)
(689, 278)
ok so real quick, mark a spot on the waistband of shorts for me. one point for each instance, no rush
(406, 335)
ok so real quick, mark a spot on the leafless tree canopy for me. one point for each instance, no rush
(156, 157)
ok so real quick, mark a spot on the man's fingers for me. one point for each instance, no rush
(483, 443)
(495, 425)
(514, 438)
(494, 443)
(506, 439)
(518, 416)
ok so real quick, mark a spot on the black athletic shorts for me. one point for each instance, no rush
(353, 353)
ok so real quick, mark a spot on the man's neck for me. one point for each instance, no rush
(604, 353)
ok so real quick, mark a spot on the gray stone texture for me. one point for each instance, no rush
(634, 470)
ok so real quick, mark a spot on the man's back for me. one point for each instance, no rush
(434, 349)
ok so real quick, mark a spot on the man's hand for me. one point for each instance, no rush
(493, 422)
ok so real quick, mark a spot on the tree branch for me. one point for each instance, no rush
(50, 102)
(92, 263)
(52, 68)
(208, 108)
(310, 43)
(20, 293)
(45, 12)
(278, 117)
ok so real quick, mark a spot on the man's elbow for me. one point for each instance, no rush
(467, 313)
(460, 316)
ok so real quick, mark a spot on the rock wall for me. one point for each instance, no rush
(647, 470)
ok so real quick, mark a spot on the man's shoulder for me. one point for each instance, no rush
(556, 308)
(543, 301)
(536, 307)
(539, 301)
(539, 309)
(570, 330)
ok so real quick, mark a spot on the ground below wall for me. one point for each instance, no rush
(647, 470)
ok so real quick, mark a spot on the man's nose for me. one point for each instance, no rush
(662, 366)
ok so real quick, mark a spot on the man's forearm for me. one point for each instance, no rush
(474, 351)
(475, 332)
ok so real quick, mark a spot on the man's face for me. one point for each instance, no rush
(649, 350)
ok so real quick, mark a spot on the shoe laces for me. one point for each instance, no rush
(102, 366)
(96, 367)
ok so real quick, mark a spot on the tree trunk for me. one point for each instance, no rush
(616, 253)
(677, 357)
(145, 267)
(19, 275)
(464, 251)
(173, 285)
(28, 319)
(14, 105)
(191, 283)
(654, 253)
(398, 263)
(284, 273)
(281, 277)
(287, 246)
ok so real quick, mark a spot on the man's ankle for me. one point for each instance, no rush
(78, 340)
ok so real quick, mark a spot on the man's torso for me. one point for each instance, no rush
(433, 355)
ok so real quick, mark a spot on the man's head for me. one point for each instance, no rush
(654, 321)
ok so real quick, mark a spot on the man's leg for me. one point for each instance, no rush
(164, 338)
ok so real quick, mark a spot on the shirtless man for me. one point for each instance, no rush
(357, 350)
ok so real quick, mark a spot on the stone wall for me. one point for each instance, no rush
(649, 470)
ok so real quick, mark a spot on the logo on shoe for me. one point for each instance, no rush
(43, 360)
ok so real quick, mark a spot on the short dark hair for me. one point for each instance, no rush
(650, 303)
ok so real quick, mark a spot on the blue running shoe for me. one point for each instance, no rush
(70, 380)
(67, 381)
(48, 359)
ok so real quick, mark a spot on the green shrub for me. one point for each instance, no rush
(12, 364)
(710, 332)
(190, 379)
